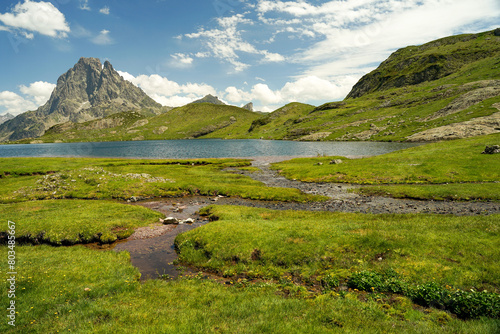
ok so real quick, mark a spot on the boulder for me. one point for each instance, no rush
(336, 162)
(170, 221)
(187, 221)
(494, 149)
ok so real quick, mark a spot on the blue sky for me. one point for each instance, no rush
(266, 52)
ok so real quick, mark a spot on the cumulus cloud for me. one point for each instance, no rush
(347, 39)
(104, 10)
(171, 93)
(15, 104)
(41, 17)
(39, 91)
(103, 38)
(35, 95)
(227, 42)
(310, 88)
(168, 92)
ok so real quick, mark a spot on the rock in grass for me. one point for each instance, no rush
(494, 149)
(336, 162)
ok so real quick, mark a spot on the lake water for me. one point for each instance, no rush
(200, 148)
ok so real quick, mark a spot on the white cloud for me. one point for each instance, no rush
(181, 60)
(171, 93)
(202, 54)
(355, 50)
(104, 10)
(264, 94)
(103, 38)
(227, 43)
(272, 57)
(347, 39)
(310, 88)
(168, 92)
(15, 104)
(84, 5)
(234, 94)
(39, 91)
(35, 95)
(41, 17)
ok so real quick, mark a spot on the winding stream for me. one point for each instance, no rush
(152, 249)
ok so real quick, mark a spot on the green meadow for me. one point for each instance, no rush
(453, 170)
(122, 179)
(306, 262)
(261, 271)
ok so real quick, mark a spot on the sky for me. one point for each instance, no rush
(266, 52)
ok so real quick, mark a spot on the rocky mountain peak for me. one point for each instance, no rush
(248, 106)
(87, 91)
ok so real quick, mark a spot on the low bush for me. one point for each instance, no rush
(465, 304)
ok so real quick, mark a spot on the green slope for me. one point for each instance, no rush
(190, 121)
(441, 83)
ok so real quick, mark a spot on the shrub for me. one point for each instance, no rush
(465, 304)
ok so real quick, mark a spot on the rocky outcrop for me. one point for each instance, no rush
(476, 127)
(486, 90)
(316, 136)
(88, 91)
(494, 149)
(248, 106)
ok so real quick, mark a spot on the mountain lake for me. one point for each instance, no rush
(201, 148)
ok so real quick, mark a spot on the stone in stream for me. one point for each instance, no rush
(187, 221)
(169, 220)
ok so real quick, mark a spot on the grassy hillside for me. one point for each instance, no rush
(449, 81)
(190, 121)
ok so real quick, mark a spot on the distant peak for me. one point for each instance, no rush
(210, 99)
(248, 106)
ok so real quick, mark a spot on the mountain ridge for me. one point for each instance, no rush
(89, 90)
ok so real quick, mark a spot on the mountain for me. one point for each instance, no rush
(445, 89)
(210, 99)
(5, 117)
(86, 92)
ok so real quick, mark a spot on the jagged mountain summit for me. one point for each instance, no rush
(210, 99)
(88, 91)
